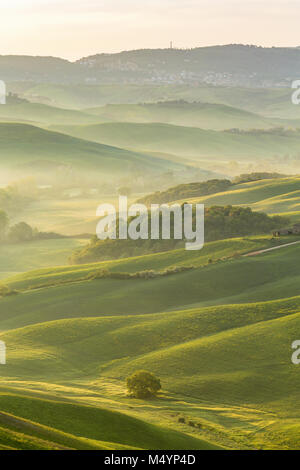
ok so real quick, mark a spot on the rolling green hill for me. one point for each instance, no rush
(23, 257)
(268, 102)
(182, 113)
(85, 96)
(190, 142)
(37, 113)
(236, 355)
(221, 222)
(277, 196)
(218, 336)
(73, 426)
(209, 283)
(204, 188)
(58, 350)
(29, 148)
(158, 261)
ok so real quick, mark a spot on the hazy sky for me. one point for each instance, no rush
(76, 28)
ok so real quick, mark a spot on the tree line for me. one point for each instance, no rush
(21, 232)
(221, 222)
(203, 188)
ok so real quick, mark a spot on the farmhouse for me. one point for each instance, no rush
(295, 230)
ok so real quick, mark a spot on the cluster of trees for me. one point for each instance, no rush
(186, 191)
(233, 221)
(14, 198)
(172, 103)
(98, 250)
(204, 188)
(14, 98)
(21, 232)
(221, 222)
(282, 131)
(248, 177)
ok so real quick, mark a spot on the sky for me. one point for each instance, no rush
(77, 28)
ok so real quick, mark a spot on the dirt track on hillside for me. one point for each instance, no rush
(255, 253)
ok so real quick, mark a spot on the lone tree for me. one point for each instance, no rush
(143, 384)
(20, 232)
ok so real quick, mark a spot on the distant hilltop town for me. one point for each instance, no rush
(231, 65)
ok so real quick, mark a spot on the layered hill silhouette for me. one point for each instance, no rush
(26, 147)
(230, 64)
(191, 141)
(183, 113)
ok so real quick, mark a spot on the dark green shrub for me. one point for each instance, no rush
(143, 384)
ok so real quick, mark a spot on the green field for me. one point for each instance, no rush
(278, 196)
(203, 115)
(39, 151)
(217, 328)
(67, 216)
(225, 280)
(275, 103)
(189, 141)
(63, 425)
(17, 258)
(39, 114)
(226, 367)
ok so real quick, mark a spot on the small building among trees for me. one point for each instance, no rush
(294, 230)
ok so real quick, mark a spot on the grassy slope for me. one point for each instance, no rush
(67, 424)
(276, 196)
(230, 356)
(85, 348)
(29, 146)
(43, 114)
(158, 261)
(19, 433)
(227, 355)
(270, 276)
(270, 102)
(68, 216)
(34, 255)
(83, 96)
(203, 115)
(187, 141)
